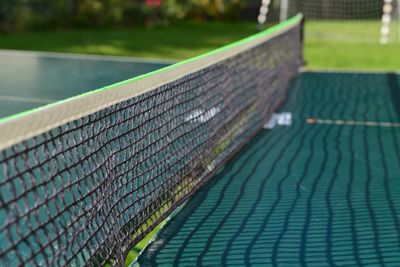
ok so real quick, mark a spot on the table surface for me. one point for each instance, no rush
(32, 79)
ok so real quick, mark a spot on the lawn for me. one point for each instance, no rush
(329, 45)
(350, 45)
(178, 41)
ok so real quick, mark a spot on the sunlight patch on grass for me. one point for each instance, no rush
(349, 46)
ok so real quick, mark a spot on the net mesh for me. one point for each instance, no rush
(337, 9)
(347, 21)
(85, 192)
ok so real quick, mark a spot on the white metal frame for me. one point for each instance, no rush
(386, 19)
(283, 14)
(264, 8)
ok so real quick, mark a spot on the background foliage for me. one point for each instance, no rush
(19, 15)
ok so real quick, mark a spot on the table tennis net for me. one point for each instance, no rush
(84, 189)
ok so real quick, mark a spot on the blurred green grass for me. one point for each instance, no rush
(350, 45)
(329, 44)
(178, 41)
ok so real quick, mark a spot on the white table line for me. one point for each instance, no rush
(27, 99)
(353, 123)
